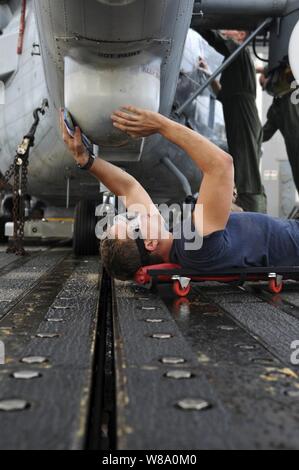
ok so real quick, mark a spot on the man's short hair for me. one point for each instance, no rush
(121, 258)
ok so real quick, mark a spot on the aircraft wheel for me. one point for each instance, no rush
(179, 290)
(274, 287)
(3, 221)
(85, 242)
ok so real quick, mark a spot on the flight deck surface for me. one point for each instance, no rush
(99, 364)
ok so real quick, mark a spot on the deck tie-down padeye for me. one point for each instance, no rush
(19, 170)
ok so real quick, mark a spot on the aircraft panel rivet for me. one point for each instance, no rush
(26, 374)
(13, 405)
(292, 393)
(154, 320)
(47, 335)
(178, 374)
(193, 404)
(172, 360)
(161, 336)
(226, 328)
(34, 360)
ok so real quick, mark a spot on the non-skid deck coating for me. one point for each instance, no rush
(51, 294)
(236, 343)
(14, 283)
(238, 348)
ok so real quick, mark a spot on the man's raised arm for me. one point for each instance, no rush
(115, 179)
(216, 190)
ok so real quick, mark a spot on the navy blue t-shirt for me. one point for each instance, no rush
(249, 240)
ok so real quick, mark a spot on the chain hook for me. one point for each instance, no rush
(19, 169)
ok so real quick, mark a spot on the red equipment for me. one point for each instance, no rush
(22, 28)
(181, 279)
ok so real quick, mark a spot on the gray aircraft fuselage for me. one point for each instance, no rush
(94, 56)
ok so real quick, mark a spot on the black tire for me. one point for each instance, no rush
(85, 242)
(3, 221)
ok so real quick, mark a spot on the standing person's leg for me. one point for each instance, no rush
(244, 134)
(287, 118)
(292, 144)
(253, 202)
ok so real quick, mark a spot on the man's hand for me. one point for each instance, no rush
(137, 122)
(264, 81)
(74, 144)
(203, 65)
